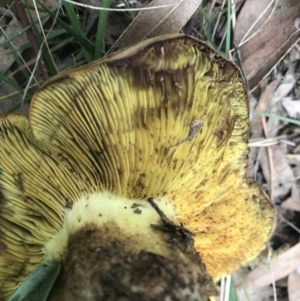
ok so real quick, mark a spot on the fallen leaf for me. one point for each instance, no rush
(254, 294)
(274, 124)
(292, 107)
(274, 92)
(293, 202)
(152, 23)
(294, 285)
(282, 177)
(280, 267)
(265, 98)
(272, 41)
(284, 88)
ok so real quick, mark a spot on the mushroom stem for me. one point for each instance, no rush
(137, 252)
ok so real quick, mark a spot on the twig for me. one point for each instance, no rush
(117, 9)
(31, 37)
(270, 156)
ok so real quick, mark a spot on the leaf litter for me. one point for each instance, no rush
(278, 171)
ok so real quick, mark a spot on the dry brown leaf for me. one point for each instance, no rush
(266, 96)
(274, 92)
(274, 124)
(280, 267)
(152, 23)
(261, 53)
(293, 286)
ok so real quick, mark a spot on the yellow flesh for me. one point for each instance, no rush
(120, 125)
(99, 210)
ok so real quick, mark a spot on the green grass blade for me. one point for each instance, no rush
(244, 287)
(282, 118)
(208, 34)
(6, 2)
(77, 27)
(10, 82)
(202, 12)
(73, 17)
(47, 57)
(233, 296)
(99, 49)
(11, 38)
(85, 43)
(38, 284)
(228, 29)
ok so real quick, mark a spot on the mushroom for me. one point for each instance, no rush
(131, 171)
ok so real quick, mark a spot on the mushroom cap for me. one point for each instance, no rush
(167, 117)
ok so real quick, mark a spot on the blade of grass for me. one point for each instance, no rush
(202, 11)
(55, 34)
(227, 288)
(77, 27)
(38, 284)
(86, 44)
(10, 82)
(99, 49)
(228, 29)
(24, 29)
(73, 17)
(23, 15)
(233, 296)
(8, 96)
(15, 52)
(47, 58)
(210, 20)
(243, 286)
(282, 118)
(6, 2)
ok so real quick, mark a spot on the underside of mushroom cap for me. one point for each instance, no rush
(34, 192)
(168, 117)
